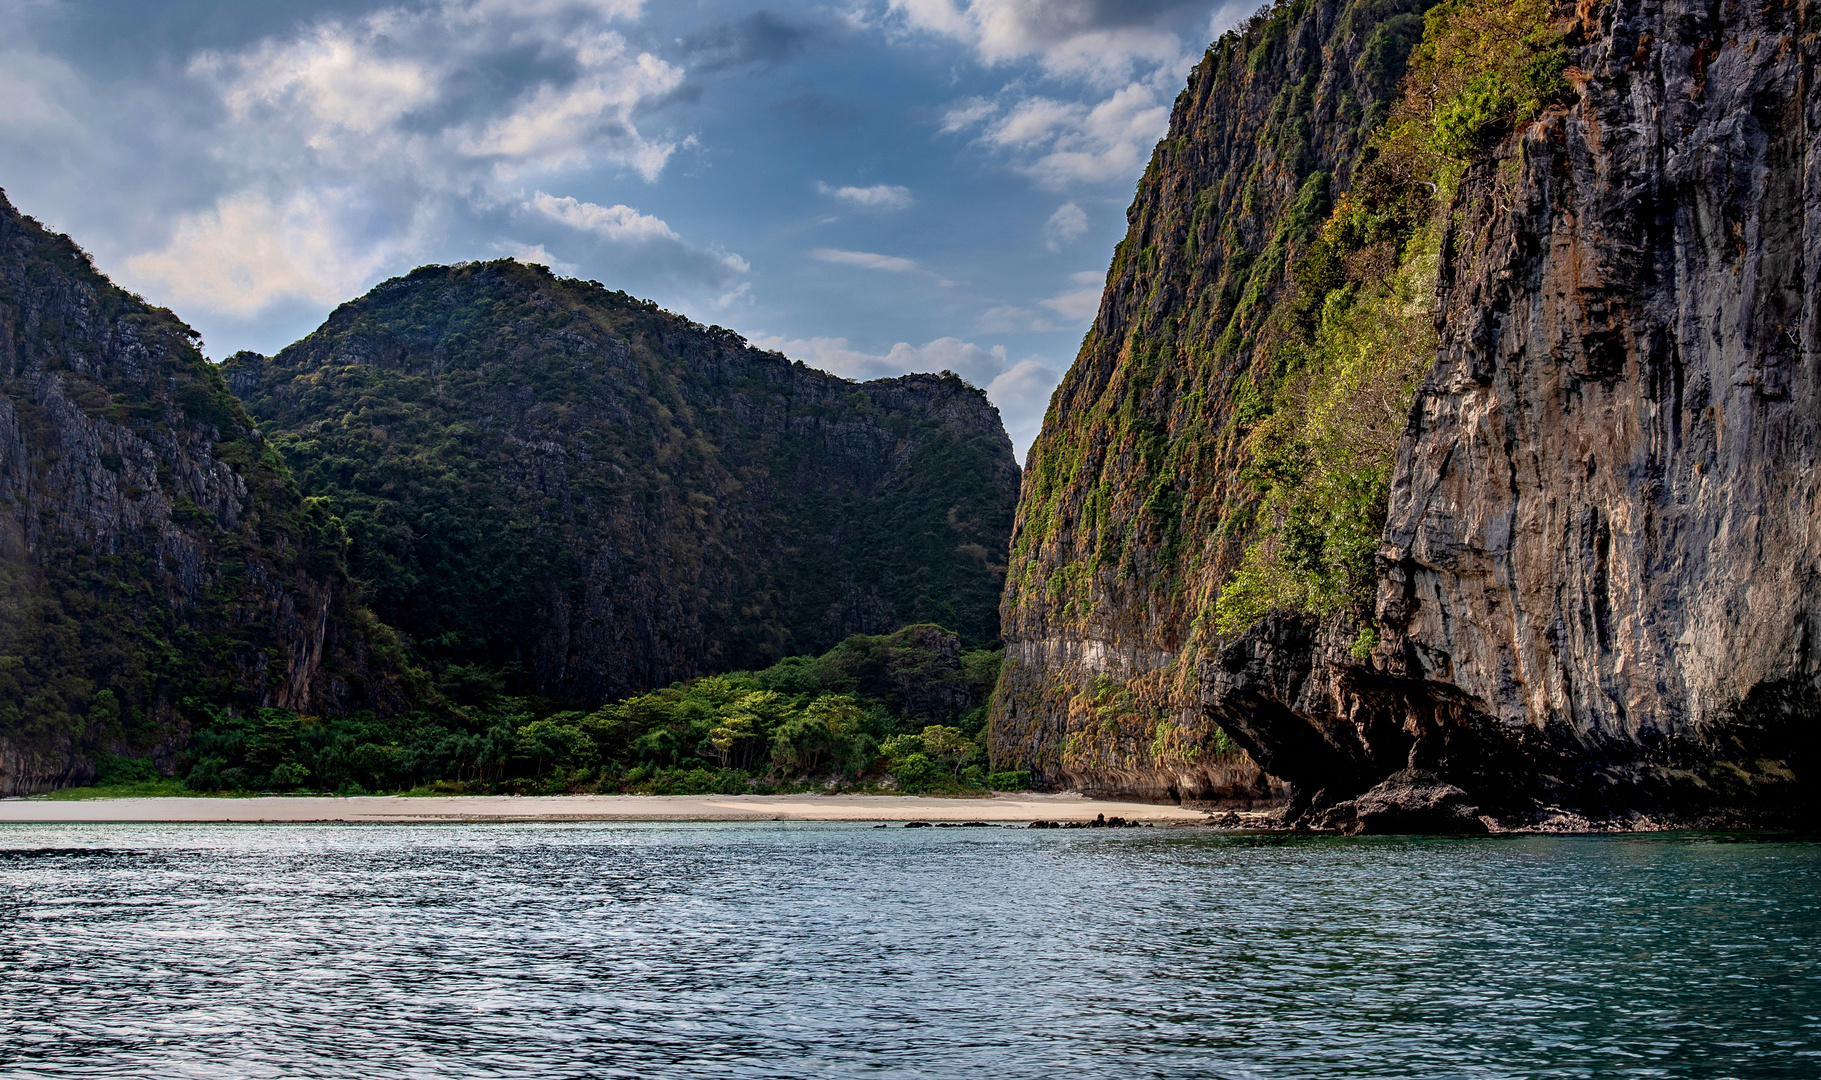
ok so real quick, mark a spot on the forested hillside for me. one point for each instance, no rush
(600, 497)
(155, 554)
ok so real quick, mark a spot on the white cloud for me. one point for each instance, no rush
(657, 242)
(871, 261)
(966, 113)
(346, 146)
(1022, 393)
(1127, 57)
(1008, 319)
(592, 117)
(1061, 144)
(1066, 224)
(1103, 40)
(248, 249)
(738, 294)
(619, 223)
(977, 365)
(1080, 303)
(876, 197)
(867, 259)
(1019, 390)
(330, 74)
(536, 255)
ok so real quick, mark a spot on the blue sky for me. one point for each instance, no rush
(872, 187)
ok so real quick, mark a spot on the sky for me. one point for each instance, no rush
(872, 187)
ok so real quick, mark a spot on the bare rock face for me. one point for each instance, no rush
(542, 472)
(153, 553)
(1410, 801)
(1603, 532)
(1599, 581)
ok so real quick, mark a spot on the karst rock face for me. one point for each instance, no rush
(539, 471)
(153, 552)
(1598, 587)
(1121, 538)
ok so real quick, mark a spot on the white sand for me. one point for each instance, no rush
(281, 808)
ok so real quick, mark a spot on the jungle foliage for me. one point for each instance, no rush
(530, 467)
(903, 710)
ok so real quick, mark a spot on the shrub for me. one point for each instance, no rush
(113, 771)
(1016, 780)
(916, 772)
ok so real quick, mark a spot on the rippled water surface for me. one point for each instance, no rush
(798, 949)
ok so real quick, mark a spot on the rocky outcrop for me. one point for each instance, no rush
(1598, 583)
(1125, 528)
(1599, 576)
(542, 473)
(154, 557)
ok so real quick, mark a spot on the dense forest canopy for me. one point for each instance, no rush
(542, 473)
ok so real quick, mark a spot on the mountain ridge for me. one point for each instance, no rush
(155, 552)
(639, 456)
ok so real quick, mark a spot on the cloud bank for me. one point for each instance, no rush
(346, 147)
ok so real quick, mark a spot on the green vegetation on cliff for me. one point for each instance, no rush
(1223, 445)
(155, 553)
(1138, 500)
(1322, 421)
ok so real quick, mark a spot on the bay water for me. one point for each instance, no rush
(797, 949)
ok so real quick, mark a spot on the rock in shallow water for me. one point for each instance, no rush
(1409, 802)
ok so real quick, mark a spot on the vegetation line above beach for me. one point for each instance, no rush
(878, 713)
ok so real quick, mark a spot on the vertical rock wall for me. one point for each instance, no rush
(152, 553)
(1132, 510)
(1598, 582)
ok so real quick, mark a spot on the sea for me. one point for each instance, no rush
(801, 949)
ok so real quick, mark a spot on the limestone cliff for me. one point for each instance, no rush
(541, 472)
(1595, 591)
(154, 554)
(1123, 529)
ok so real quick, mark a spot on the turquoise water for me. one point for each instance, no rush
(810, 950)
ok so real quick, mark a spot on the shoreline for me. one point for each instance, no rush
(290, 809)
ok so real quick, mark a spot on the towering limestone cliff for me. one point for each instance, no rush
(1469, 459)
(1133, 502)
(542, 472)
(154, 553)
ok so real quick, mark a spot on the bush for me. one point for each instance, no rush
(916, 772)
(1477, 117)
(722, 733)
(113, 771)
(1017, 780)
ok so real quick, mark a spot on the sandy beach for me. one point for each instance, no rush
(470, 808)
